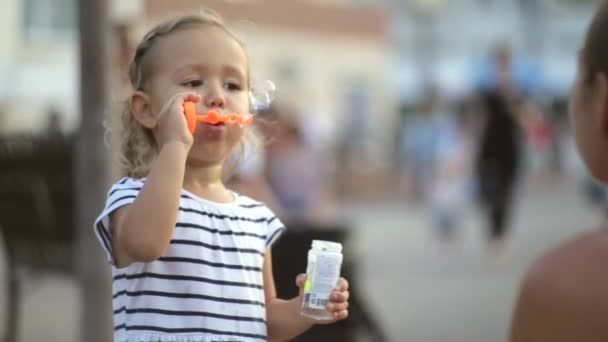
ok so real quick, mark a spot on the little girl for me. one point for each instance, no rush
(191, 259)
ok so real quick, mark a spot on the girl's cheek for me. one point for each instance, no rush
(240, 102)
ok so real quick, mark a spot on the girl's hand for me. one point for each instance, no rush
(338, 300)
(172, 125)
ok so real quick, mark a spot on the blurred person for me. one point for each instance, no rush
(499, 152)
(418, 141)
(563, 297)
(561, 133)
(451, 183)
(401, 148)
(539, 137)
(191, 260)
(298, 174)
(355, 137)
(250, 173)
(249, 178)
(54, 125)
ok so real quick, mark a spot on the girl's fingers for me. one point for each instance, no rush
(179, 98)
(339, 296)
(340, 315)
(300, 279)
(194, 97)
(342, 285)
(337, 307)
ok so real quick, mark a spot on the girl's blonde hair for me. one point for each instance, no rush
(137, 145)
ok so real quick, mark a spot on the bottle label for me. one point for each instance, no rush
(322, 279)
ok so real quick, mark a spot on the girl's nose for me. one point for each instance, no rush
(214, 97)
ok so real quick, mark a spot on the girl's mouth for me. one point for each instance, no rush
(213, 118)
(214, 128)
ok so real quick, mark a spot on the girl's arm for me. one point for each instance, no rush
(142, 230)
(283, 316)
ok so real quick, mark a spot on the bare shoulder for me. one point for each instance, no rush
(564, 294)
(581, 256)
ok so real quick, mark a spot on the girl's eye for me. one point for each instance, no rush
(232, 86)
(194, 83)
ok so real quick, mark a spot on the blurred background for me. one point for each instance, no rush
(431, 137)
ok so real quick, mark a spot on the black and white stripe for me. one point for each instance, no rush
(209, 282)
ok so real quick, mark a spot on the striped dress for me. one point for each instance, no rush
(208, 286)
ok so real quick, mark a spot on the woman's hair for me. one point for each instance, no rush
(137, 144)
(594, 54)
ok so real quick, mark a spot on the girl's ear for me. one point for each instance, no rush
(140, 108)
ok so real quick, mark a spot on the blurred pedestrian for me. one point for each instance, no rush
(452, 177)
(418, 141)
(298, 173)
(499, 153)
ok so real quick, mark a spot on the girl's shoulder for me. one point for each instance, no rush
(246, 202)
(241, 202)
(240, 205)
(127, 183)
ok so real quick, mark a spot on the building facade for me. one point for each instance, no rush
(321, 54)
(449, 42)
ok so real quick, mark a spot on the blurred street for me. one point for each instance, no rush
(423, 295)
(418, 292)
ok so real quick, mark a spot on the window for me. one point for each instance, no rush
(44, 19)
(575, 2)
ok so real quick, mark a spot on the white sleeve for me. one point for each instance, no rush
(121, 193)
(274, 229)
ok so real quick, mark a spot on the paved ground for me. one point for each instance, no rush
(418, 293)
(422, 293)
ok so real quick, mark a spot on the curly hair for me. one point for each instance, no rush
(137, 144)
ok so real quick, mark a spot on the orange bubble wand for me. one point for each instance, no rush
(213, 117)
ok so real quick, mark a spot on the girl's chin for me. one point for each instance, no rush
(206, 156)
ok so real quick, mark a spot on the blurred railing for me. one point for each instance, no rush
(36, 211)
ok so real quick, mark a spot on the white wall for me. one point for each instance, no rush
(44, 70)
(9, 20)
(325, 67)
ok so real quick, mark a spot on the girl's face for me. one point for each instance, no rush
(589, 118)
(207, 60)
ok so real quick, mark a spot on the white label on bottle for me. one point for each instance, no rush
(326, 272)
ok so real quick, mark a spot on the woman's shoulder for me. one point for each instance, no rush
(573, 269)
(581, 253)
(566, 284)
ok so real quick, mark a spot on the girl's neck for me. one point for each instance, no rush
(206, 182)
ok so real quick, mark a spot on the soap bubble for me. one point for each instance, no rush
(261, 95)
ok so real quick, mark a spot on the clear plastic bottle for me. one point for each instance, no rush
(322, 274)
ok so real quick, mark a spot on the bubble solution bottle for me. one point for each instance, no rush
(322, 274)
